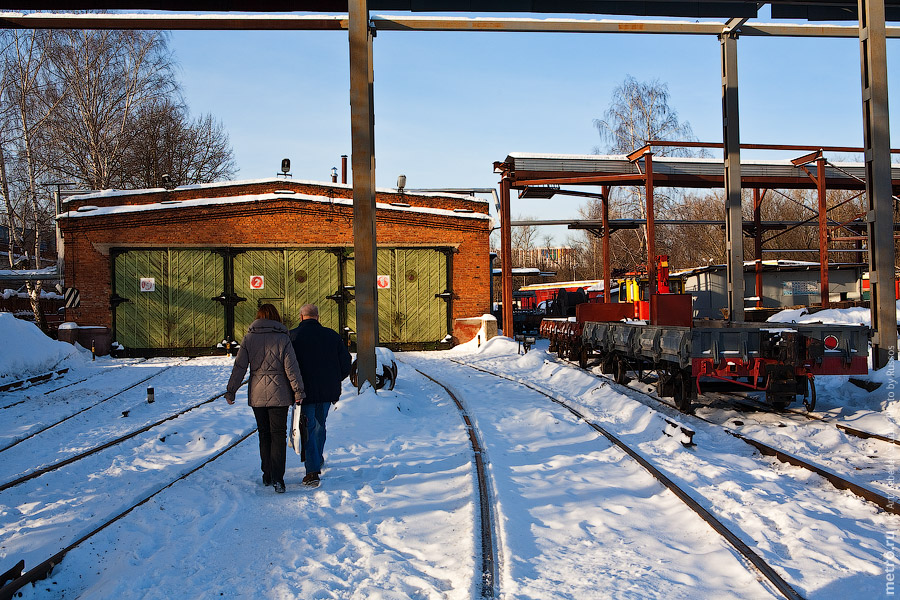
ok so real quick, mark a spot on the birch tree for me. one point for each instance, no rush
(639, 112)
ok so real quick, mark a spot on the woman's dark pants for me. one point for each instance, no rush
(272, 424)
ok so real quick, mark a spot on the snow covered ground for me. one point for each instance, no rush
(396, 514)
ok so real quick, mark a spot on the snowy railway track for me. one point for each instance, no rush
(114, 442)
(86, 408)
(884, 502)
(37, 379)
(858, 433)
(44, 569)
(754, 559)
(52, 376)
(488, 530)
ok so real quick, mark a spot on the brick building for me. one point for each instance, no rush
(182, 270)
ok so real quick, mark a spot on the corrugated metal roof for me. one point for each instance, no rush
(680, 167)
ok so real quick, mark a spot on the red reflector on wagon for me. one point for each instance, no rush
(830, 342)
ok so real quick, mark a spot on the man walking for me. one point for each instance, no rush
(324, 363)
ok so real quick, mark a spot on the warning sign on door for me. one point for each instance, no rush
(383, 282)
(148, 284)
(257, 282)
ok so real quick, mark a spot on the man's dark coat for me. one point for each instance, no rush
(324, 360)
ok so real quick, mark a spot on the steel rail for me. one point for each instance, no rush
(489, 580)
(43, 570)
(137, 362)
(299, 22)
(48, 392)
(31, 380)
(888, 504)
(755, 560)
(52, 425)
(76, 457)
(865, 435)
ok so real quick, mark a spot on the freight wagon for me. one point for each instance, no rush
(690, 357)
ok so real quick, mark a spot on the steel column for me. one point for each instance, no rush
(362, 130)
(734, 242)
(824, 294)
(873, 57)
(651, 227)
(607, 270)
(758, 243)
(506, 284)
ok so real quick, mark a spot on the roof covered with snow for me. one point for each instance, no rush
(264, 181)
(88, 211)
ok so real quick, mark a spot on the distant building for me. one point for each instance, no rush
(546, 259)
(785, 283)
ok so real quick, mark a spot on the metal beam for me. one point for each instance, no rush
(293, 22)
(362, 131)
(734, 240)
(506, 289)
(873, 68)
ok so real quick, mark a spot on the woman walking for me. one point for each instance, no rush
(275, 384)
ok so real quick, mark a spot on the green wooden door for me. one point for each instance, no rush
(259, 276)
(195, 320)
(312, 276)
(420, 277)
(289, 278)
(140, 317)
(167, 298)
(411, 308)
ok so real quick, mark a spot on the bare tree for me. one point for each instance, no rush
(110, 76)
(165, 141)
(34, 95)
(638, 113)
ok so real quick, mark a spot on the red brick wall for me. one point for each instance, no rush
(281, 222)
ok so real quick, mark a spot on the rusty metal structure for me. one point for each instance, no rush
(872, 33)
(543, 176)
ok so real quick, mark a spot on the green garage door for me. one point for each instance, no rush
(411, 300)
(165, 298)
(287, 279)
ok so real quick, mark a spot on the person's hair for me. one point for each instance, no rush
(268, 311)
(309, 310)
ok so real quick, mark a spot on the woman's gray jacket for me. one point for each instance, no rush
(275, 378)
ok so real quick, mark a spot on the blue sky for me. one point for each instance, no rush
(449, 104)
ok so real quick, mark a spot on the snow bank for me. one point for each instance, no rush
(857, 315)
(27, 351)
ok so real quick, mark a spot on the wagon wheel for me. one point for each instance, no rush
(583, 357)
(809, 398)
(607, 364)
(575, 352)
(621, 374)
(683, 392)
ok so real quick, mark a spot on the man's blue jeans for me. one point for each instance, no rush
(315, 425)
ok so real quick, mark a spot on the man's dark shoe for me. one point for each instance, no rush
(311, 479)
(267, 480)
(279, 487)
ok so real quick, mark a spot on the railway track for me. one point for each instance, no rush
(857, 433)
(489, 582)
(86, 408)
(752, 558)
(81, 455)
(886, 503)
(20, 578)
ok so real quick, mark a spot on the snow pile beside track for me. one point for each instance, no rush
(27, 351)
